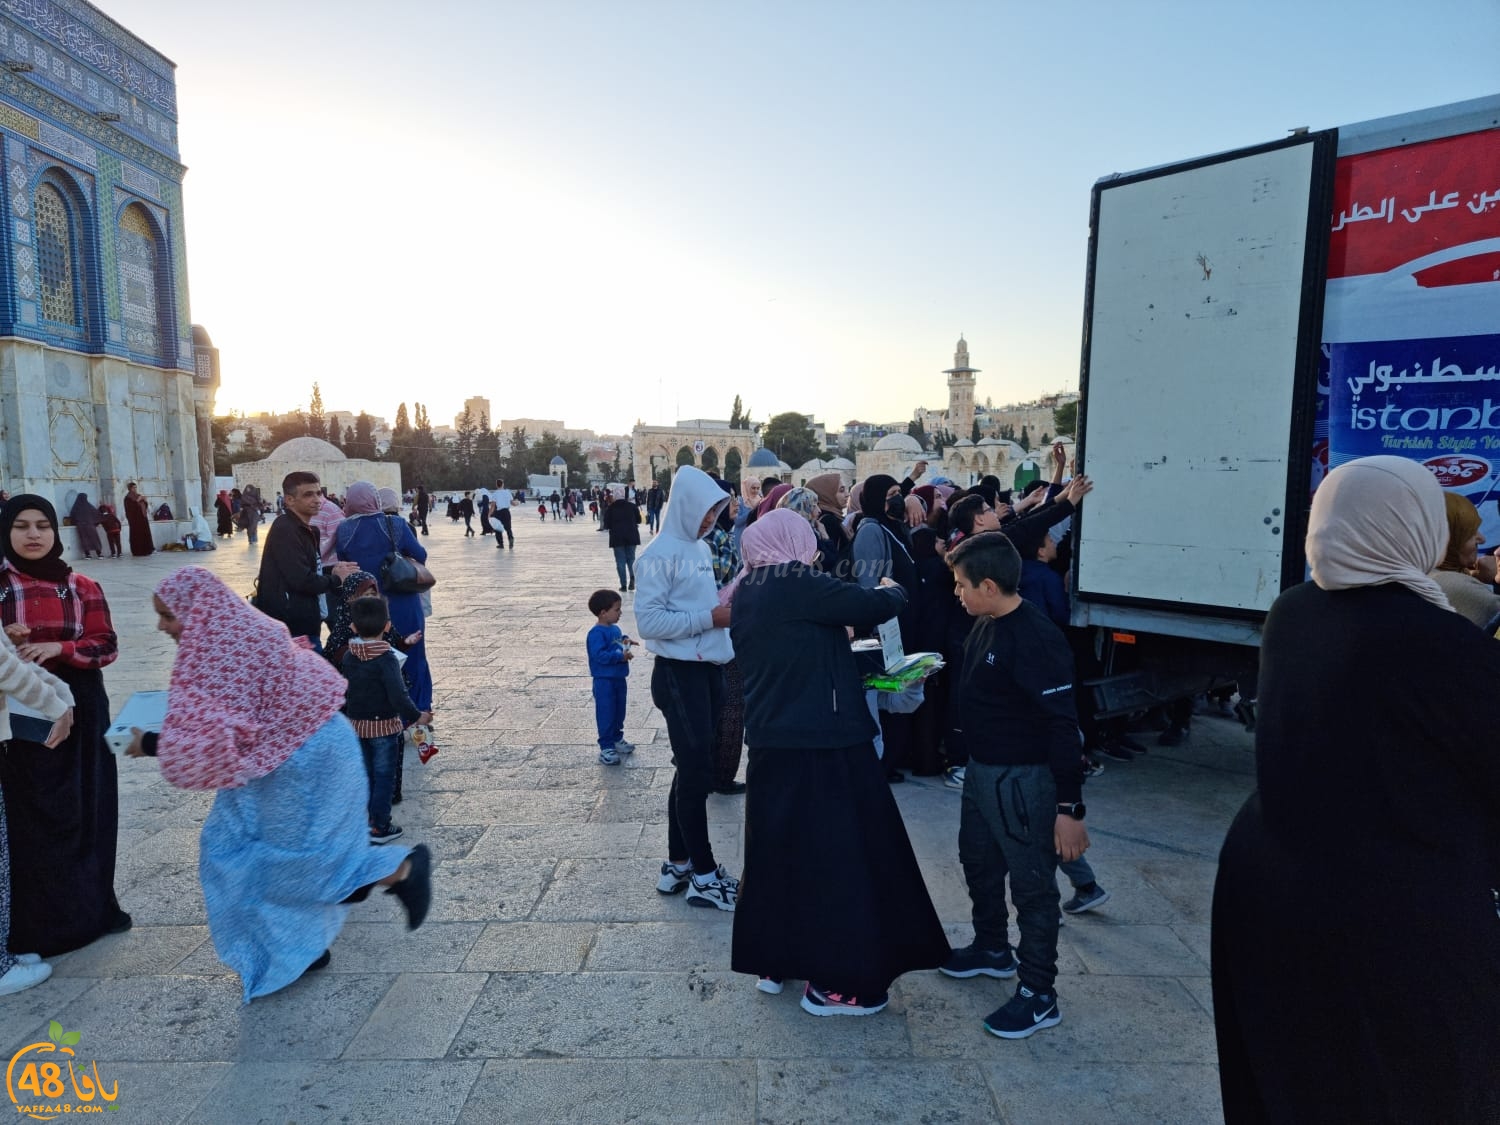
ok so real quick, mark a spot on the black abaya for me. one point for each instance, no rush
(63, 813)
(1356, 951)
(831, 891)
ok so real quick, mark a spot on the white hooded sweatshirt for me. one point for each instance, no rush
(675, 593)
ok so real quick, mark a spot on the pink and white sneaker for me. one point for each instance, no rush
(816, 1002)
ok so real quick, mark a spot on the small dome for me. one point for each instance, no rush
(841, 463)
(783, 466)
(963, 443)
(559, 462)
(763, 458)
(898, 443)
(990, 441)
(814, 467)
(200, 337)
(307, 449)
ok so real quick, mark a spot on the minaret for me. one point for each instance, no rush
(961, 391)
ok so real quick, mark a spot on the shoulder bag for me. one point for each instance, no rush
(400, 574)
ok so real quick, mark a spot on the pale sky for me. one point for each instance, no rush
(635, 209)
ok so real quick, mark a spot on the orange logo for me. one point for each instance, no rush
(34, 1079)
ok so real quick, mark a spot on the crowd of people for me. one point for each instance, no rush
(1371, 790)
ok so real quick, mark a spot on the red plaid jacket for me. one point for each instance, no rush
(72, 613)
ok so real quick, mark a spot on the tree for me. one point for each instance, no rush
(737, 415)
(333, 432)
(1023, 441)
(349, 445)
(316, 427)
(401, 431)
(463, 446)
(790, 437)
(915, 429)
(974, 434)
(364, 437)
(1065, 418)
(486, 452)
(287, 427)
(1046, 438)
(218, 429)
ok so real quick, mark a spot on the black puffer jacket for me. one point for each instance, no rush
(623, 519)
(802, 690)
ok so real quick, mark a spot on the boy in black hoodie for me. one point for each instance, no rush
(378, 705)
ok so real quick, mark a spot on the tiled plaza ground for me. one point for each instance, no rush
(552, 982)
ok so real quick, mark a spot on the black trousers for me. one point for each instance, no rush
(501, 519)
(690, 695)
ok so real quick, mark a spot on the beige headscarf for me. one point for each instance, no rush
(826, 487)
(1375, 521)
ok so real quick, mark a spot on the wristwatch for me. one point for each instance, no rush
(1075, 810)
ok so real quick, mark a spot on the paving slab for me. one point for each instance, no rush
(657, 1091)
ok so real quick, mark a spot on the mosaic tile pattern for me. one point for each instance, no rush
(135, 251)
(101, 46)
(54, 245)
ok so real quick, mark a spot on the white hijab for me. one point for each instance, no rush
(1375, 521)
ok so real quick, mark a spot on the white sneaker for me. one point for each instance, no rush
(29, 958)
(21, 977)
(720, 891)
(673, 879)
(770, 985)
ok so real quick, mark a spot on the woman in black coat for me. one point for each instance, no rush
(831, 893)
(1356, 948)
(622, 519)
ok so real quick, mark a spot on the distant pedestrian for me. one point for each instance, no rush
(85, 519)
(541, 510)
(111, 525)
(622, 520)
(420, 508)
(609, 665)
(501, 500)
(137, 515)
(466, 513)
(284, 850)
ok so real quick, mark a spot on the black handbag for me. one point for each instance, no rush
(398, 574)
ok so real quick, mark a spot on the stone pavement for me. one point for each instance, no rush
(552, 982)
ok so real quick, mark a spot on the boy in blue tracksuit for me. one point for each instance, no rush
(609, 664)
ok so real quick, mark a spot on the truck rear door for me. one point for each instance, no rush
(1200, 355)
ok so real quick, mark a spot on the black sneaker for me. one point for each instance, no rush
(971, 961)
(385, 835)
(1115, 752)
(1026, 1013)
(415, 891)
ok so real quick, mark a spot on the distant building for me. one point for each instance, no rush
(479, 410)
(309, 454)
(535, 427)
(99, 383)
(708, 443)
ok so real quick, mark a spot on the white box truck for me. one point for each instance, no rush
(1252, 318)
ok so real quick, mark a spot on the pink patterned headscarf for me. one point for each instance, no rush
(243, 695)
